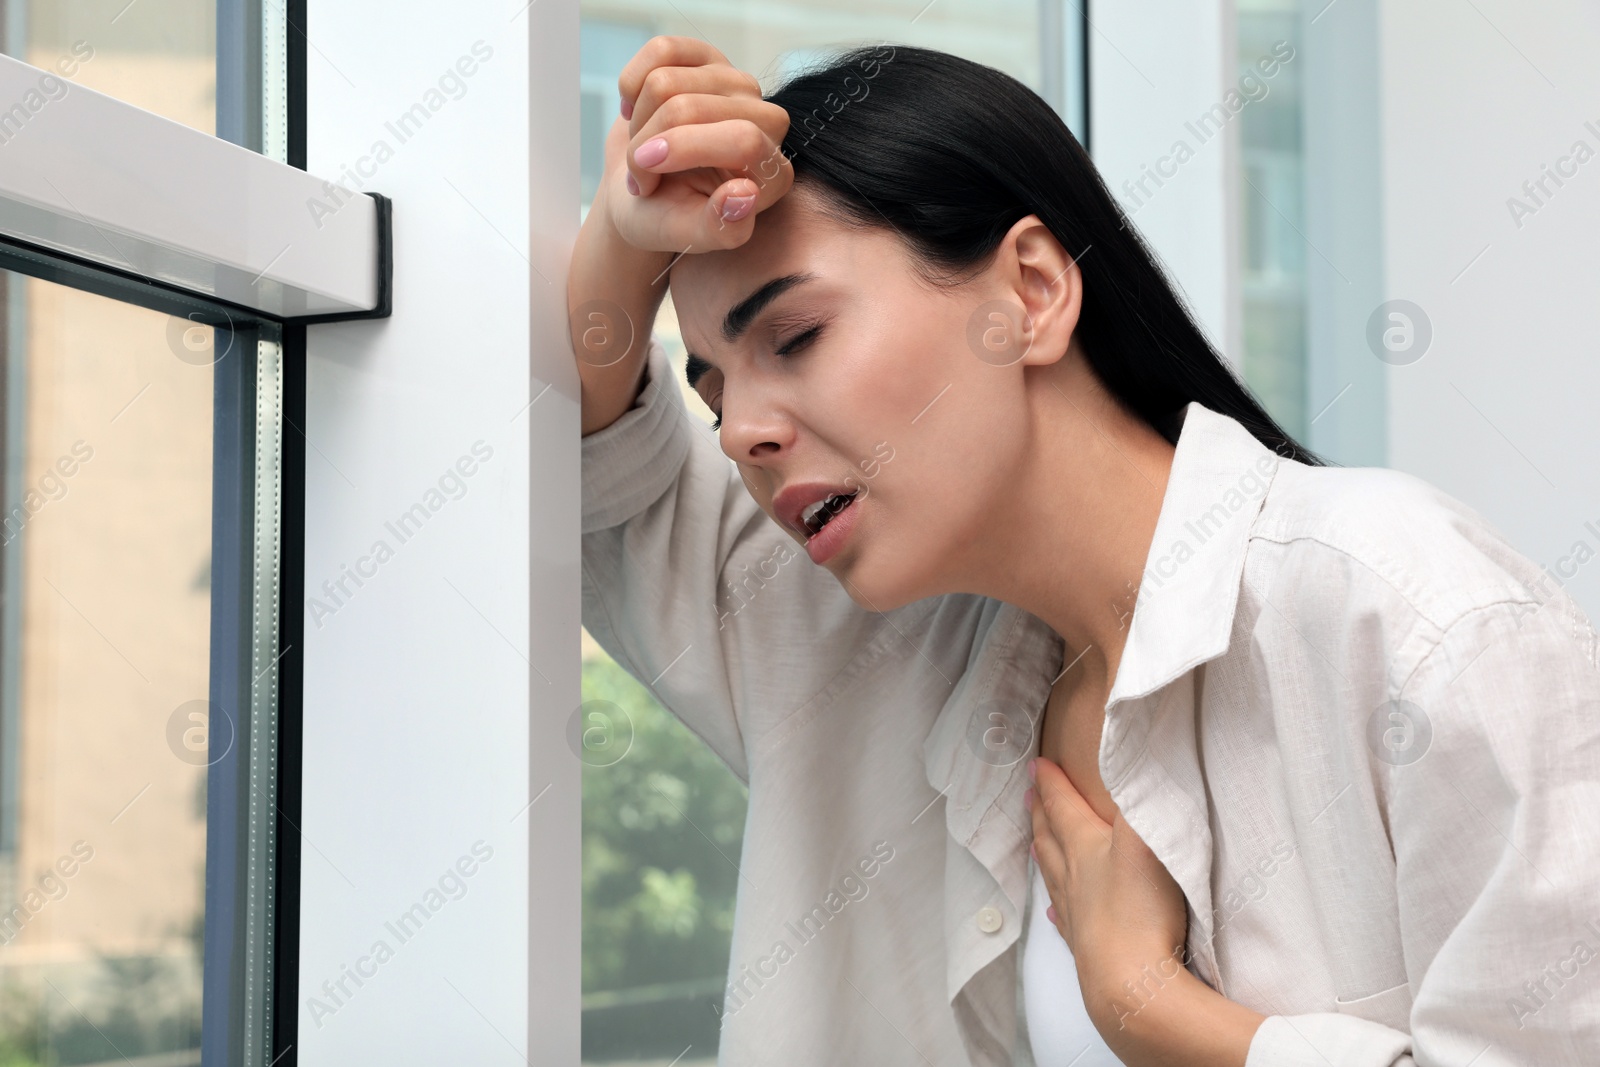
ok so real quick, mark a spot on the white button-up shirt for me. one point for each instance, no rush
(1359, 729)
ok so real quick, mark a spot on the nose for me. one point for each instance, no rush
(756, 424)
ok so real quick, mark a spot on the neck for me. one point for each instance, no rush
(1072, 534)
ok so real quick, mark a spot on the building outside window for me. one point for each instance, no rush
(105, 594)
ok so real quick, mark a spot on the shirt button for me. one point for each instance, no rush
(989, 919)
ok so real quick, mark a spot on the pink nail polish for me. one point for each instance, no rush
(1033, 771)
(627, 108)
(1027, 799)
(633, 186)
(1050, 913)
(737, 207)
(651, 152)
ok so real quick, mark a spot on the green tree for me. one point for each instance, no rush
(661, 833)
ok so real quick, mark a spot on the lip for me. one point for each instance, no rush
(821, 545)
(788, 505)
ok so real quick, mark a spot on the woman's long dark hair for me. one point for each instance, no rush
(950, 153)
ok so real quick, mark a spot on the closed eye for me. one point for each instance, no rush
(801, 340)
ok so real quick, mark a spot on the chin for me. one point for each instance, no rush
(873, 592)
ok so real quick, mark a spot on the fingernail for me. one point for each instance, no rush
(1033, 773)
(737, 207)
(627, 108)
(651, 152)
(1027, 799)
(633, 186)
(1034, 852)
(1050, 913)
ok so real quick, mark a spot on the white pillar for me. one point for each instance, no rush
(441, 658)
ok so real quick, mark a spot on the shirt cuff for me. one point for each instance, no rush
(1327, 1039)
(629, 464)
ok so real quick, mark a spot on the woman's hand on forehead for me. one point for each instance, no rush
(697, 152)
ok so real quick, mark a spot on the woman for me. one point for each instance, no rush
(1311, 746)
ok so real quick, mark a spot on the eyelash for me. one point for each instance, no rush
(804, 338)
(801, 339)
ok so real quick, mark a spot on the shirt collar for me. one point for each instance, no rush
(1183, 615)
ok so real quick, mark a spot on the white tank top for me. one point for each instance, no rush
(1058, 1024)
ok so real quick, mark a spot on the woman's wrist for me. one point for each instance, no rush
(607, 266)
(1163, 1015)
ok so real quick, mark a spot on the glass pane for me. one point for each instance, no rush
(156, 54)
(104, 672)
(663, 825)
(661, 834)
(1272, 215)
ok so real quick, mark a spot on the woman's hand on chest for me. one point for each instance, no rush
(1112, 900)
(1124, 918)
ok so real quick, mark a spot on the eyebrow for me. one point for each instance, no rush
(741, 315)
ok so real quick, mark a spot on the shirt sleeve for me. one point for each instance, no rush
(1497, 860)
(692, 588)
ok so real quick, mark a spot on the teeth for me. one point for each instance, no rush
(811, 511)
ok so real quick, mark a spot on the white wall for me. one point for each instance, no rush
(1501, 410)
(437, 692)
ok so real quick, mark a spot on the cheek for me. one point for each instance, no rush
(942, 497)
(919, 421)
(877, 387)
(941, 481)
(889, 396)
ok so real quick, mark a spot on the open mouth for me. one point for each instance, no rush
(818, 515)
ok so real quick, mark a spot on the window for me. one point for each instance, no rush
(1272, 276)
(149, 359)
(112, 718)
(160, 55)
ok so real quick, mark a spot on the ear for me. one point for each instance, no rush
(1045, 280)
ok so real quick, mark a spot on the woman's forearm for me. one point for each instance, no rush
(613, 292)
(1181, 1023)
